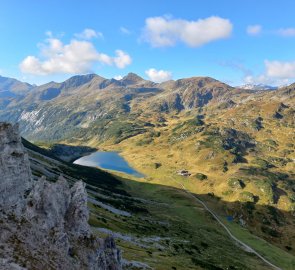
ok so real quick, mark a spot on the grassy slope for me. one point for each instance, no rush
(187, 236)
(195, 219)
(177, 148)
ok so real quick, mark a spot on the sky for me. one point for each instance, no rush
(237, 42)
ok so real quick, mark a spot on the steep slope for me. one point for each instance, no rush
(77, 106)
(191, 93)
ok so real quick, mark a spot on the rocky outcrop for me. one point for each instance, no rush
(44, 225)
(15, 171)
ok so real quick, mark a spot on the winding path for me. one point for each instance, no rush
(242, 244)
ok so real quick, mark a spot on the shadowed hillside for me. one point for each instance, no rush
(163, 227)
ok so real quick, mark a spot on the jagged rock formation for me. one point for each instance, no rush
(44, 225)
(14, 170)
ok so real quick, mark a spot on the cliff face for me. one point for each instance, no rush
(44, 225)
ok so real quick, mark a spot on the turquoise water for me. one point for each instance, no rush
(109, 161)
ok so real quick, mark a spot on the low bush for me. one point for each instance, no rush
(201, 176)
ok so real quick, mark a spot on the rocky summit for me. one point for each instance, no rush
(44, 225)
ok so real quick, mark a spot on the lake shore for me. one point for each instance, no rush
(112, 161)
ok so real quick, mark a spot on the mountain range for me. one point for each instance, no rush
(80, 101)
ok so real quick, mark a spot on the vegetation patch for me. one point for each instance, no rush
(201, 176)
(236, 183)
(246, 196)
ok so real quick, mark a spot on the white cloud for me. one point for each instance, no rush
(118, 77)
(254, 30)
(275, 73)
(278, 69)
(89, 34)
(163, 31)
(125, 31)
(264, 79)
(122, 59)
(260, 79)
(286, 32)
(76, 57)
(158, 75)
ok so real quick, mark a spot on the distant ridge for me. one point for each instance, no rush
(14, 86)
(258, 87)
(89, 104)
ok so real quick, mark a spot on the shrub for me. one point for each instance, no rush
(199, 120)
(291, 145)
(271, 142)
(270, 231)
(144, 141)
(263, 164)
(292, 197)
(157, 165)
(225, 166)
(236, 183)
(246, 196)
(201, 176)
(266, 187)
(227, 192)
(257, 124)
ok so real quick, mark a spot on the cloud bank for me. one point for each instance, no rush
(275, 73)
(78, 56)
(279, 69)
(163, 31)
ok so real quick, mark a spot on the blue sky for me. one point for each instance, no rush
(236, 42)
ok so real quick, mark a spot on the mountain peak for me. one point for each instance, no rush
(132, 78)
(79, 80)
(196, 81)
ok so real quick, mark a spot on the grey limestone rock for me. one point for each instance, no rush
(44, 225)
(15, 173)
(77, 213)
